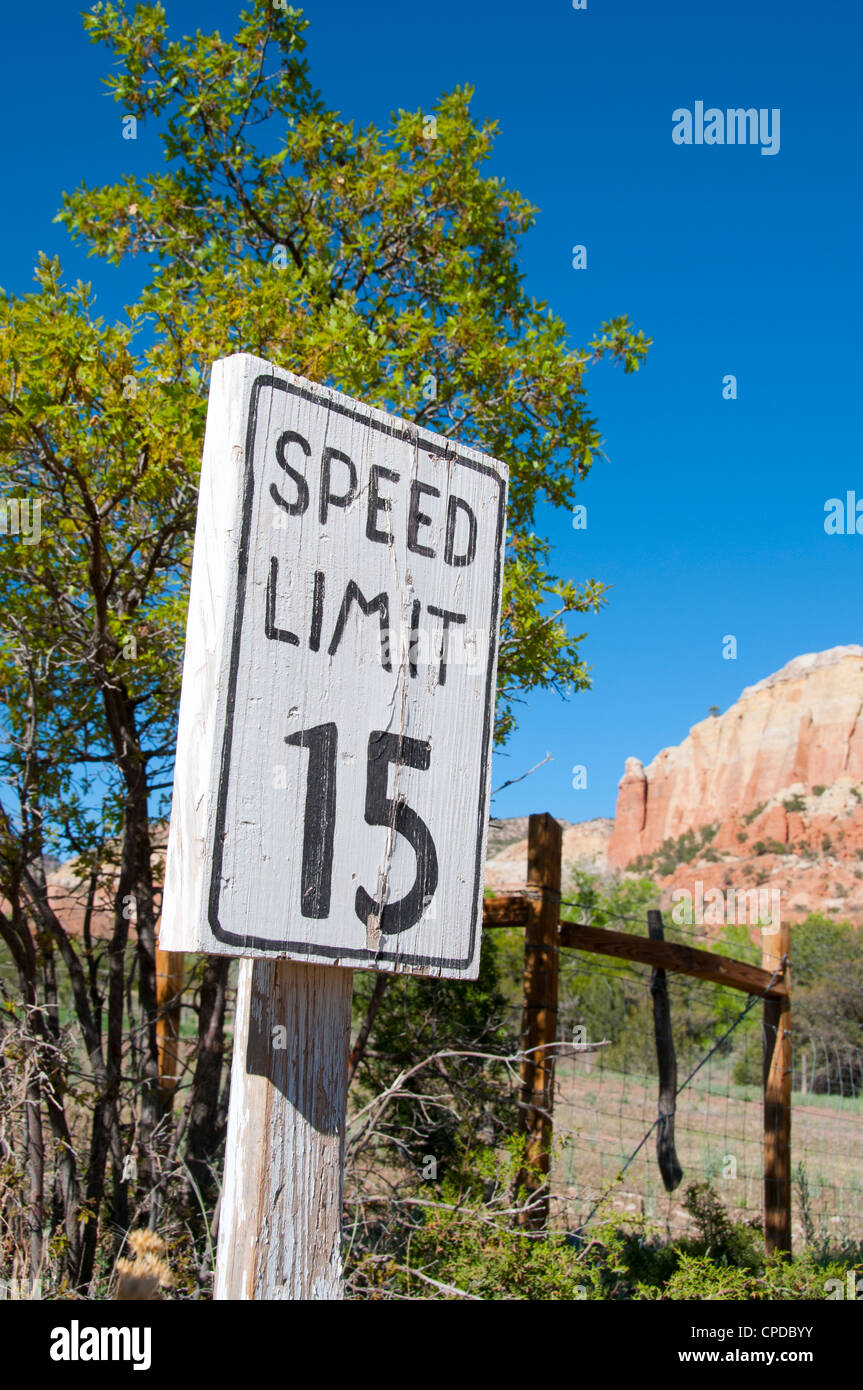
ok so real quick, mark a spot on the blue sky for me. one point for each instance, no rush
(708, 518)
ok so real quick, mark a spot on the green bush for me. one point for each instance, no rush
(614, 1004)
(463, 1246)
(769, 847)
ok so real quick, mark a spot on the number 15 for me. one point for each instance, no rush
(320, 823)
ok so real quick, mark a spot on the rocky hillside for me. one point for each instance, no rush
(584, 845)
(797, 730)
(768, 795)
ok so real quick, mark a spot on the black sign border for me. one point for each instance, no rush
(412, 434)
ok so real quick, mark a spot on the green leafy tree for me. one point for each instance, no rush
(90, 647)
(827, 987)
(827, 999)
(611, 997)
(382, 262)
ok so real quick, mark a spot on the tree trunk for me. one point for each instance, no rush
(136, 884)
(100, 1137)
(66, 1191)
(359, 1048)
(35, 1151)
(204, 1129)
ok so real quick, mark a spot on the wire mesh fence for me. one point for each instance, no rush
(606, 1110)
(604, 1156)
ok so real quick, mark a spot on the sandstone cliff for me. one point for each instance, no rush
(770, 792)
(767, 795)
(799, 728)
(585, 845)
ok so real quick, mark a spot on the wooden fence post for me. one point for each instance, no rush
(170, 975)
(666, 1154)
(539, 1016)
(777, 1096)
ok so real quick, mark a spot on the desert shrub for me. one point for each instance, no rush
(769, 847)
(462, 1244)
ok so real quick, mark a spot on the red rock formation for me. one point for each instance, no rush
(798, 729)
(769, 795)
(777, 781)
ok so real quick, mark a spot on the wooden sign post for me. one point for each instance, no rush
(333, 761)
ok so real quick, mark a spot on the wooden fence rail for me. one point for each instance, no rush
(671, 955)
